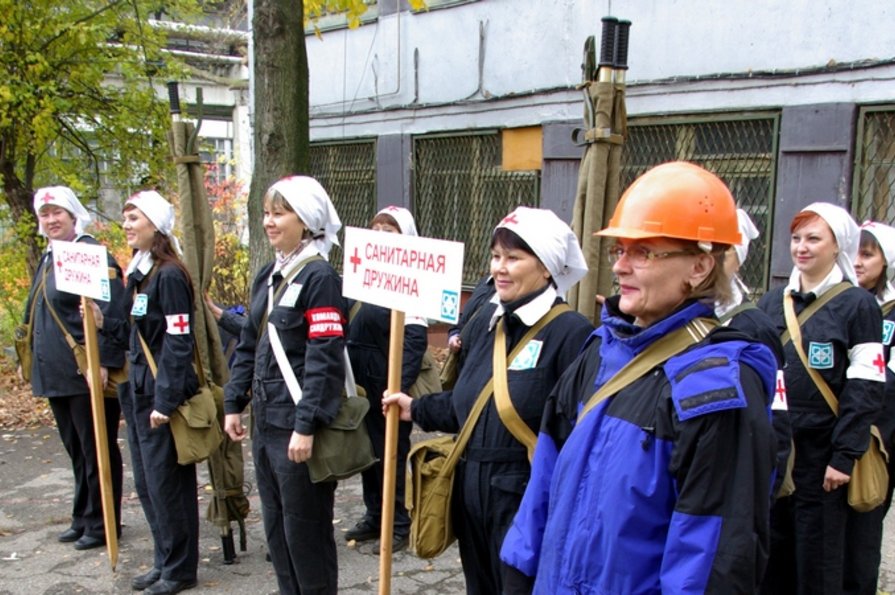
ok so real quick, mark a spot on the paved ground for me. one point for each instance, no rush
(35, 491)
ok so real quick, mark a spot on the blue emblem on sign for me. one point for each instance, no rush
(450, 305)
(820, 355)
(888, 329)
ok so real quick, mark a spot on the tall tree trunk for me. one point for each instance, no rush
(19, 197)
(280, 109)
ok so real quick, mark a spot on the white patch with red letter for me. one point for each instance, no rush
(324, 322)
(178, 324)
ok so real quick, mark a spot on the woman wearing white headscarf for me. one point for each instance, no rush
(842, 340)
(535, 258)
(368, 347)
(160, 293)
(876, 258)
(297, 300)
(54, 372)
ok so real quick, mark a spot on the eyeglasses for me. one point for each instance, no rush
(640, 256)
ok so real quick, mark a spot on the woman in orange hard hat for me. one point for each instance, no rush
(653, 467)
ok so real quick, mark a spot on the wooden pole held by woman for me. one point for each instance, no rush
(389, 464)
(99, 431)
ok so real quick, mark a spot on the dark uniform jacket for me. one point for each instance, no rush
(850, 320)
(309, 321)
(54, 372)
(166, 325)
(368, 344)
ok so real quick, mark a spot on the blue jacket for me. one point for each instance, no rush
(663, 488)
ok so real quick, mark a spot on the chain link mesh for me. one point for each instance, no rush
(740, 150)
(348, 173)
(461, 193)
(874, 178)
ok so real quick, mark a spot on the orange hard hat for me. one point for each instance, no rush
(676, 200)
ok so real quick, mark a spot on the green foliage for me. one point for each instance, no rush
(353, 9)
(228, 198)
(77, 101)
(15, 280)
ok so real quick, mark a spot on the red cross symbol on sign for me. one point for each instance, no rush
(355, 260)
(182, 324)
(393, 208)
(511, 218)
(781, 389)
(880, 363)
(46, 198)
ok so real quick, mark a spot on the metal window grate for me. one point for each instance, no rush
(347, 171)
(461, 192)
(874, 178)
(740, 149)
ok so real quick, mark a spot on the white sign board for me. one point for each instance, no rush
(418, 276)
(82, 269)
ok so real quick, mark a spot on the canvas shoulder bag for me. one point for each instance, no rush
(23, 332)
(194, 424)
(870, 476)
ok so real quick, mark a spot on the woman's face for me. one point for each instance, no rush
(516, 273)
(283, 227)
(386, 227)
(57, 222)
(653, 289)
(813, 248)
(138, 229)
(869, 265)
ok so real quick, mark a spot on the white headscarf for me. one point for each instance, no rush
(885, 237)
(552, 241)
(748, 231)
(847, 233)
(312, 205)
(62, 196)
(403, 217)
(161, 214)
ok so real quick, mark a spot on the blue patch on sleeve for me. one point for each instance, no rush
(706, 379)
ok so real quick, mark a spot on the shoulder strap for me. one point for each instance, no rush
(153, 367)
(887, 307)
(480, 402)
(508, 414)
(734, 311)
(39, 288)
(62, 328)
(281, 289)
(814, 307)
(660, 351)
(792, 325)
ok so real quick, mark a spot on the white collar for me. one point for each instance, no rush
(531, 312)
(142, 261)
(829, 281)
(888, 294)
(310, 250)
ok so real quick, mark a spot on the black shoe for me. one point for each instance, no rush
(86, 542)
(399, 542)
(364, 530)
(70, 534)
(144, 581)
(166, 587)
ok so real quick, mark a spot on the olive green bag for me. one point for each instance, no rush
(194, 424)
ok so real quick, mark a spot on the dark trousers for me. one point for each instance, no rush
(298, 517)
(863, 544)
(808, 528)
(74, 419)
(166, 489)
(486, 498)
(372, 477)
